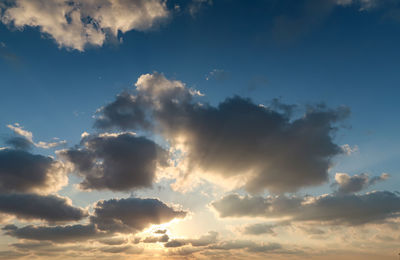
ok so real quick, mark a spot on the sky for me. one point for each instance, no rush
(199, 129)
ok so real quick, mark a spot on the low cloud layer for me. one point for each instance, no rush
(350, 184)
(21, 171)
(77, 24)
(235, 139)
(258, 229)
(129, 216)
(205, 240)
(57, 234)
(32, 206)
(115, 161)
(333, 209)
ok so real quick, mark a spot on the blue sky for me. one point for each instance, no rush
(340, 53)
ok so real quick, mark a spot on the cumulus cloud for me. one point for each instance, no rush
(21, 171)
(350, 209)
(237, 139)
(115, 161)
(356, 183)
(50, 208)
(76, 24)
(132, 215)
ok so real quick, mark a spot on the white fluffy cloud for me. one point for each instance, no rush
(77, 23)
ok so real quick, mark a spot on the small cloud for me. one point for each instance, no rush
(351, 184)
(196, 5)
(26, 140)
(348, 150)
(218, 74)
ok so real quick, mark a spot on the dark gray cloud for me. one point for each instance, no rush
(21, 171)
(249, 245)
(115, 161)
(112, 241)
(259, 229)
(237, 137)
(350, 184)
(210, 238)
(56, 234)
(132, 215)
(32, 206)
(335, 209)
(19, 143)
(126, 110)
(154, 239)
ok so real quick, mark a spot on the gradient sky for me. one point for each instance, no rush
(199, 129)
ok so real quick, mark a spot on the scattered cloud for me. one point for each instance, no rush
(195, 6)
(350, 184)
(334, 209)
(24, 139)
(348, 150)
(77, 24)
(218, 74)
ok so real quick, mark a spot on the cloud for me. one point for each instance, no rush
(356, 183)
(348, 150)
(251, 246)
(113, 241)
(50, 208)
(218, 74)
(128, 216)
(24, 139)
(195, 6)
(333, 209)
(19, 143)
(132, 215)
(76, 24)
(164, 238)
(56, 234)
(258, 229)
(205, 240)
(236, 139)
(21, 171)
(115, 161)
